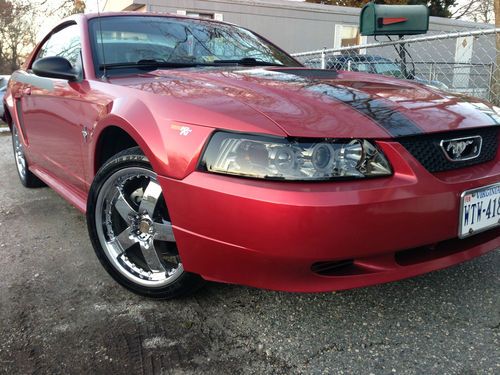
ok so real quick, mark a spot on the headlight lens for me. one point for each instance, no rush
(279, 158)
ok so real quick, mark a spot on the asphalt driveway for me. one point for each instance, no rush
(61, 313)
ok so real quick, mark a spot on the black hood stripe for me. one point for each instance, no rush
(378, 109)
(381, 111)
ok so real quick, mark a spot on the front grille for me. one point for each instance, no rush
(426, 149)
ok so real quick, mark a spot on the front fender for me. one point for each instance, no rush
(172, 147)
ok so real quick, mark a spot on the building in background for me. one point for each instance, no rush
(294, 26)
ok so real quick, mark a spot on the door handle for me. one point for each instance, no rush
(27, 91)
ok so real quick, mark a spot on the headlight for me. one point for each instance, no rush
(279, 158)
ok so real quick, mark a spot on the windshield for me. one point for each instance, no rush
(388, 69)
(129, 40)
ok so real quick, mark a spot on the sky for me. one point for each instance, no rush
(91, 5)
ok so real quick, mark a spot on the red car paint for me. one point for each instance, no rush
(266, 233)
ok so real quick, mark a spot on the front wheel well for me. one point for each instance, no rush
(7, 116)
(112, 141)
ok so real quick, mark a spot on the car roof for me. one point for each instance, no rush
(90, 16)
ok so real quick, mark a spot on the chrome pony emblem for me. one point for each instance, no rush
(461, 149)
(457, 148)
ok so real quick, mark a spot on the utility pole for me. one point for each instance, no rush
(495, 86)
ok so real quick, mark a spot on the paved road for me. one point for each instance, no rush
(61, 313)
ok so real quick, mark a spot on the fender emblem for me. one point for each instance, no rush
(85, 134)
(183, 130)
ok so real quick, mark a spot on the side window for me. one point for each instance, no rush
(65, 43)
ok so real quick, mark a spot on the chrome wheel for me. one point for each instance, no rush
(134, 228)
(19, 154)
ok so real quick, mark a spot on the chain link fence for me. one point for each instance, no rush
(460, 62)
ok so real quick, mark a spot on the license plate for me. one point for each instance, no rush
(480, 210)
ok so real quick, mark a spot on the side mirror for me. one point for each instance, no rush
(55, 67)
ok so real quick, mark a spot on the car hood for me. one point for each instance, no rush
(318, 103)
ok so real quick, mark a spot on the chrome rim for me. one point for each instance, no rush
(134, 228)
(19, 154)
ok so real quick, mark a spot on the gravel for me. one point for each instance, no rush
(61, 313)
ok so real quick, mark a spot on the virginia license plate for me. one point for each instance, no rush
(480, 210)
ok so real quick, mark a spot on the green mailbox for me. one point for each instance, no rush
(377, 19)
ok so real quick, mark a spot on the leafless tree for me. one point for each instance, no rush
(485, 12)
(17, 34)
(62, 8)
(475, 10)
(438, 8)
(19, 23)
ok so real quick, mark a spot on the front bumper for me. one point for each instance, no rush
(313, 237)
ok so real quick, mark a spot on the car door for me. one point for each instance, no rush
(54, 113)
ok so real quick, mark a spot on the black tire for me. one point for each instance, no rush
(131, 159)
(28, 179)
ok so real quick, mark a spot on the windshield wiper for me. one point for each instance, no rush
(150, 65)
(247, 61)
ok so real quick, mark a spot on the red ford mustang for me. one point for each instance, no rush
(201, 151)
